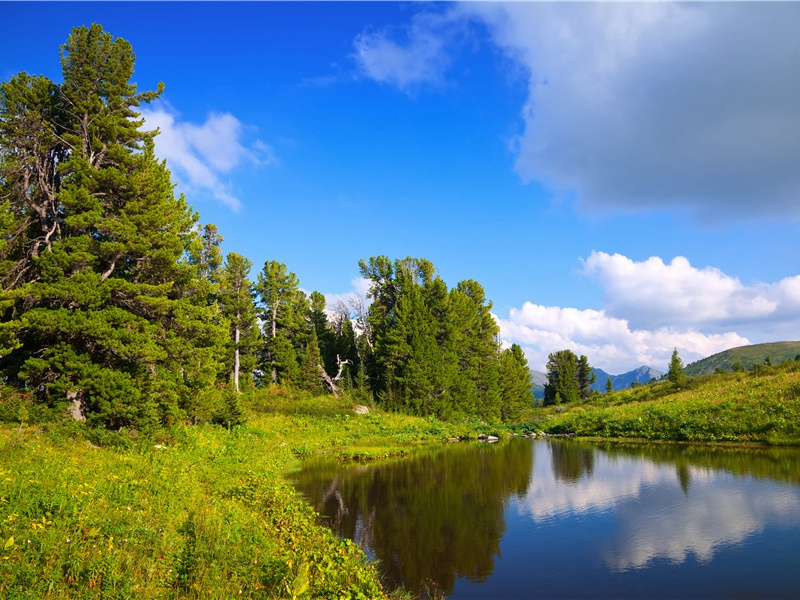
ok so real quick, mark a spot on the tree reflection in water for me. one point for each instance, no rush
(424, 530)
(574, 519)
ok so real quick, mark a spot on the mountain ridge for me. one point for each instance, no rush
(641, 375)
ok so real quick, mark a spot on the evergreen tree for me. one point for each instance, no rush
(481, 350)
(31, 117)
(98, 302)
(279, 296)
(236, 303)
(562, 378)
(516, 384)
(675, 373)
(609, 385)
(206, 252)
(326, 337)
(430, 350)
(409, 354)
(309, 375)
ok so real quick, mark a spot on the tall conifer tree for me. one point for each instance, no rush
(516, 384)
(283, 310)
(236, 303)
(98, 302)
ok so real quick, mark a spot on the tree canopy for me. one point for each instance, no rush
(116, 301)
(568, 378)
(99, 301)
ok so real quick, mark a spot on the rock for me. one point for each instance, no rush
(75, 409)
(451, 440)
(482, 436)
(492, 438)
(360, 410)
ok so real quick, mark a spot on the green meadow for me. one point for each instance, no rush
(201, 511)
(757, 406)
(190, 512)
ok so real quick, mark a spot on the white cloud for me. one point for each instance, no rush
(635, 105)
(651, 293)
(651, 307)
(199, 156)
(408, 57)
(654, 294)
(610, 343)
(652, 104)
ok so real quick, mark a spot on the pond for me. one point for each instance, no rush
(573, 519)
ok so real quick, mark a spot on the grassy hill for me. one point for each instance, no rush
(748, 356)
(760, 406)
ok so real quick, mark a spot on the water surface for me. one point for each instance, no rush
(568, 519)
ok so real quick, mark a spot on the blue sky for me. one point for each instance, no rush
(622, 179)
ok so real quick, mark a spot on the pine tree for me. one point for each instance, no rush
(98, 302)
(445, 342)
(562, 378)
(236, 303)
(309, 375)
(609, 385)
(481, 350)
(516, 384)
(675, 373)
(326, 337)
(279, 296)
(410, 355)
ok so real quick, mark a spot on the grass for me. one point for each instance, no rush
(760, 406)
(206, 512)
(196, 512)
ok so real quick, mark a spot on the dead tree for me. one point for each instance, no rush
(332, 381)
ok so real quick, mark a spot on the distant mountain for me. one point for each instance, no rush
(539, 379)
(777, 352)
(620, 382)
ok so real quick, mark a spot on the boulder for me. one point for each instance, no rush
(360, 410)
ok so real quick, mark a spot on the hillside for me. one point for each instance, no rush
(777, 352)
(759, 406)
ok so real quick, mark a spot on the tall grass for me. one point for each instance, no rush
(195, 512)
(760, 406)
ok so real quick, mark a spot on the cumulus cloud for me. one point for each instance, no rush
(200, 155)
(653, 104)
(652, 293)
(610, 343)
(635, 106)
(651, 307)
(408, 57)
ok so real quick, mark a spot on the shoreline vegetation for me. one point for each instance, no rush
(190, 511)
(204, 511)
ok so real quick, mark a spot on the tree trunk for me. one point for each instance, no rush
(236, 334)
(331, 381)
